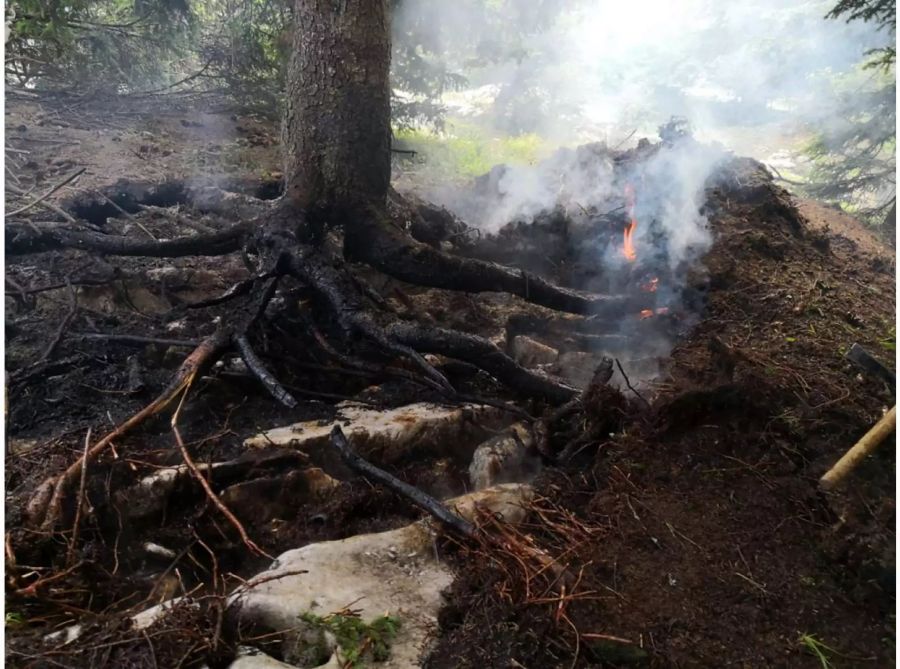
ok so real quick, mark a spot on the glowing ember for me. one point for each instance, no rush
(648, 313)
(650, 286)
(628, 247)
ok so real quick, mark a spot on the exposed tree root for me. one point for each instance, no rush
(483, 354)
(384, 246)
(45, 507)
(426, 502)
(256, 366)
(22, 239)
(286, 244)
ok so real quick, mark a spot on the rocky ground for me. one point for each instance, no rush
(684, 527)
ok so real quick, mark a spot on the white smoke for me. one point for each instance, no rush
(574, 71)
(753, 76)
(745, 74)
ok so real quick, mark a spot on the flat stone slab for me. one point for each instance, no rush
(393, 433)
(394, 573)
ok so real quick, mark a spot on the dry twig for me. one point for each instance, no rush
(70, 557)
(50, 192)
(210, 494)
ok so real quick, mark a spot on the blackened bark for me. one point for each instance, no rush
(381, 244)
(482, 353)
(22, 239)
(336, 133)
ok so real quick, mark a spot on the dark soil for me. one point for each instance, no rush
(714, 546)
(711, 545)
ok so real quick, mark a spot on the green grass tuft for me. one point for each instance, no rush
(466, 150)
(818, 649)
(358, 640)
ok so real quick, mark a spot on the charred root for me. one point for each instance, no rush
(383, 244)
(22, 239)
(285, 248)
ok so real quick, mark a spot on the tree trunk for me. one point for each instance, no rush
(336, 133)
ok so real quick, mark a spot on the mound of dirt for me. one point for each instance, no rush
(713, 545)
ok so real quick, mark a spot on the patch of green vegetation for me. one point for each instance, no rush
(358, 640)
(466, 150)
(817, 648)
(14, 619)
(791, 421)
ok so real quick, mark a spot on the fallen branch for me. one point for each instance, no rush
(31, 590)
(60, 332)
(210, 494)
(628, 383)
(45, 505)
(136, 339)
(50, 192)
(865, 446)
(422, 500)
(20, 240)
(70, 557)
(46, 205)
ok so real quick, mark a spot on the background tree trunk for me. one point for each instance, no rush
(336, 130)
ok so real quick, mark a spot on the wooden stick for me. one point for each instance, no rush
(425, 502)
(70, 556)
(50, 192)
(865, 446)
(210, 494)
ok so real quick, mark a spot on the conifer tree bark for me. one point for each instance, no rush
(336, 132)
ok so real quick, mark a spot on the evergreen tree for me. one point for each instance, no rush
(854, 159)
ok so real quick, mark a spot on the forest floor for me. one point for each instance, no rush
(708, 542)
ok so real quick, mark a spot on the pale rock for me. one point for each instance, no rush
(265, 498)
(504, 458)
(395, 573)
(147, 617)
(531, 353)
(251, 658)
(577, 367)
(20, 446)
(391, 434)
(141, 621)
(151, 494)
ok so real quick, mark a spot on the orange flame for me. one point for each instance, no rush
(651, 285)
(627, 246)
(648, 313)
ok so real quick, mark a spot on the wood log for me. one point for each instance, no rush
(865, 446)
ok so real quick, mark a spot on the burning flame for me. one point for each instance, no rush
(627, 246)
(651, 285)
(648, 313)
